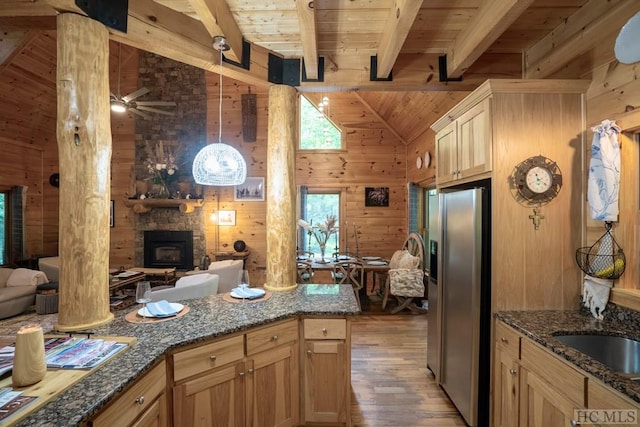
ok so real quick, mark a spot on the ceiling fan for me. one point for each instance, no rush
(120, 104)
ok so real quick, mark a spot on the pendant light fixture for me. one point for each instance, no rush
(218, 163)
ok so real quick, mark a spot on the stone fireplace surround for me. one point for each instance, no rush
(169, 80)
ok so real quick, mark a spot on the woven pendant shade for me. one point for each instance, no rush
(219, 164)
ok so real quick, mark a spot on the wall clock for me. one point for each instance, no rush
(536, 181)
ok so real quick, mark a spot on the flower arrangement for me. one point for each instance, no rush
(162, 166)
(321, 232)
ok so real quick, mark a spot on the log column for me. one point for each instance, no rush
(281, 189)
(84, 150)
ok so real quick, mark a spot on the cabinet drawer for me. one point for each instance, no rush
(200, 359)
(325, 329)
(136, 400)
(507, 339)
(601, 396)
(547, 365)
(271, 336)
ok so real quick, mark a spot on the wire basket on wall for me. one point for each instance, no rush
(604, 259)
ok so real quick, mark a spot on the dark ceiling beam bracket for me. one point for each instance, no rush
(442, 68)
(320, 71)
(245, 61)
(112, 13)
(373, 72)
(284, 71)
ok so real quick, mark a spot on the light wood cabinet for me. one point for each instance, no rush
(327, 371)
(463, 147)
(506, 392)
(220, 384)
(532, 387)
(142, 404)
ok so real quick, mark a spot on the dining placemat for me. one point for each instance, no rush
(228, 298)
(134, 317)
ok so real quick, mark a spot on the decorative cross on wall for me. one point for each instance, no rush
(536, 218)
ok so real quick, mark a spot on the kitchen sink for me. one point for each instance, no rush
(618, 353)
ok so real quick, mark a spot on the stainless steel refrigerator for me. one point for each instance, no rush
(464, 301)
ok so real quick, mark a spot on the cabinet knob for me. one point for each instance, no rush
(512, 371)
(140, 400)
(274, 338)
(575, 423)
(212, 357)
(241, 374)
(309, 352)
(504, 340)
(250, 371)
(324, 331)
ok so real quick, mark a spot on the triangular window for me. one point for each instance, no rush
(317, 131)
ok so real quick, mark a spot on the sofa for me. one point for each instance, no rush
(187, 287)
(18, 289)
(228, 272)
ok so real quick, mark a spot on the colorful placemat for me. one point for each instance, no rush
(228, 298)
(134, 317)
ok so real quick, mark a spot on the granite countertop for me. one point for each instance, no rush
(208, 317)
(541, 326)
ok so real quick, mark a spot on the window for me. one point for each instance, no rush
(4, 227)
(316, 205)
(317, 132)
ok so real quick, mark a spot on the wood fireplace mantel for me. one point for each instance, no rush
(147, 205)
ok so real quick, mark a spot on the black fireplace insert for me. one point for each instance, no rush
(164, 249)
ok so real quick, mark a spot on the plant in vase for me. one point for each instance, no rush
(321, 232)
(162, 166)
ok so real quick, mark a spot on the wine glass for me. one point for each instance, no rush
(243, 279)
(143, 295)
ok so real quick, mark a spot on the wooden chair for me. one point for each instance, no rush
(414, 245)
(351, 272)
(304, 255)
(305, 272)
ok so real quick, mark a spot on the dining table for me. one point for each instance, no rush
(374, 266)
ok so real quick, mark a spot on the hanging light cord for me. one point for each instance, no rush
(220, 103)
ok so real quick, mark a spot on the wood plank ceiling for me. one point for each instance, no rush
(481, 39)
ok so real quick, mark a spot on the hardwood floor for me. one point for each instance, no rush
(390, 383)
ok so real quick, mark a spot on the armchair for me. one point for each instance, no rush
(188, 287)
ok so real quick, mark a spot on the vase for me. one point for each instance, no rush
(322, 260)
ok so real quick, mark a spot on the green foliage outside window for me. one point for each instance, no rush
(316, 131)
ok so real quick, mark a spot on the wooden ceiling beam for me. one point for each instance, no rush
(396, 30)
(492, 19)
(25, 8)
(218, 20)
(592, 28)
(165, 32)
(309, 36)
(379, 117)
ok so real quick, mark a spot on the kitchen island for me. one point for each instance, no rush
(207, 319)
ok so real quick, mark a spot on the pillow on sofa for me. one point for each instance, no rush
(26, 277)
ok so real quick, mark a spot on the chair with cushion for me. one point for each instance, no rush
(305, 272)
(187, 287)
(229, 273)
(351, 272)
(406, 275)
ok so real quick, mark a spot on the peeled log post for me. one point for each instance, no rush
(84, 150)
(281, 189)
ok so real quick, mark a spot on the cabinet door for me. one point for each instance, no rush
(216, 399)
(601, 396)
(506, 389)
(155, 415)
(446, 154)
(273, 388)
(474, 141)
(325, 381)
(542, 405)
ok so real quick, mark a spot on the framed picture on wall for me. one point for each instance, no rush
(112, 220)
(226, 217)
(252, 190)
(376, 196)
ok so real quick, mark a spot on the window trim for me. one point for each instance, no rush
(342, 211)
